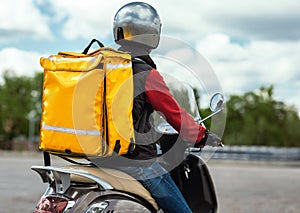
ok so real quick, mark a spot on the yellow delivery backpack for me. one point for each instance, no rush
(87, 103)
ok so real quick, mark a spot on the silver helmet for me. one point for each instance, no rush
(137, 22)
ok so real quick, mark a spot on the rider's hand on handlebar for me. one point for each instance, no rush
(210, 139)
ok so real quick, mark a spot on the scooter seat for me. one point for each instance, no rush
(117, 179)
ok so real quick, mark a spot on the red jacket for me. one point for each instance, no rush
(159, 96)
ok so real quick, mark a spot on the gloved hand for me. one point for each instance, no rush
(210, 139)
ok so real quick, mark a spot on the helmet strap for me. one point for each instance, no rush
(120, 34)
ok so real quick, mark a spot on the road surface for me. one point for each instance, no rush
(241, 187)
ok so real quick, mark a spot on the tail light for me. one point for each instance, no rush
(51, 204)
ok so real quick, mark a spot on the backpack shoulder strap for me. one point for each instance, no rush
(146, 59)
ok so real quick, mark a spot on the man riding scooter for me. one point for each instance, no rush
(137, 29)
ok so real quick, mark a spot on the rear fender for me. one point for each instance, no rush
(62, 177)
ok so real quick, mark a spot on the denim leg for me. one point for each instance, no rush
(162, 188)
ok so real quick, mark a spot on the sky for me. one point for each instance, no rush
(248, 44)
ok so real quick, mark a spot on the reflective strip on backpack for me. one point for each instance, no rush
(60, 59)
(117, 66)
(71, 131)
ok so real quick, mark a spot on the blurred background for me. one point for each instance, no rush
(253, 48)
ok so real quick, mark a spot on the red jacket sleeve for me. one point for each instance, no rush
(159, 96)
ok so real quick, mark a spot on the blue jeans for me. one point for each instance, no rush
(161, 186)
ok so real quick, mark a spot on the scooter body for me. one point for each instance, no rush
(88, 189)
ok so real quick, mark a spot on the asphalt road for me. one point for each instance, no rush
(257, 187)
(241, 187)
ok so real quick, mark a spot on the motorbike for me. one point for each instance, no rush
(94, 189)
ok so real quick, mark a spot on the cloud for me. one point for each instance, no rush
(256, 19)
(91, 18)
(242, 68)
(21, 19)
(19, 62)
(273, 61)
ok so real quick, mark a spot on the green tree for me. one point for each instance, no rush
(255, 118)
(19, 96)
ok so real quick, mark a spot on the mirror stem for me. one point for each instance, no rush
(212, 114)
